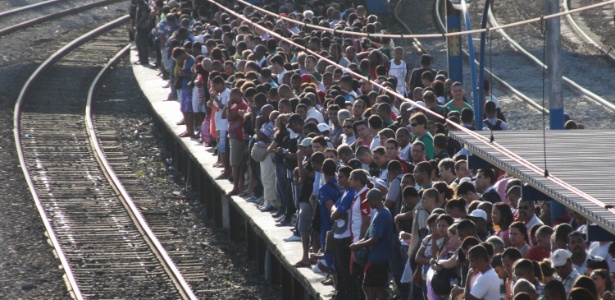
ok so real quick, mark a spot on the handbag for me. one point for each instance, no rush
(441, 281)
(259, 152)
(361, 255)
(417, 277)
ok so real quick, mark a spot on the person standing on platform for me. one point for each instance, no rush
(379, 238)
(185, 62)
(142, 29)
(399, 69)
(238, 143)
(341, 234)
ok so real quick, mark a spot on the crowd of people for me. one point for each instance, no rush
(381, 199)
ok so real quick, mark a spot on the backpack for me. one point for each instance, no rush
(496, 126)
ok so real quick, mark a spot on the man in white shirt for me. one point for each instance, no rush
(578, 248)
(277, 67)
(487, 284)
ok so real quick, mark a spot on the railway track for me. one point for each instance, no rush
(583, 73)
(588, 37)
(106, 248)
(21, 17)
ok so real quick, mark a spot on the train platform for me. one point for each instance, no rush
(263, 240)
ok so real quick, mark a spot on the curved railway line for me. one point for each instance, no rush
(586, 36)
(105, 246)
(5, 17)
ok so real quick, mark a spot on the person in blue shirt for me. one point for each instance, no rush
(341, 234)
(327, 196)
(379, 239)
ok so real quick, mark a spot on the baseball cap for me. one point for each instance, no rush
(322, 127)
(373, 194)
(478, 213)
(306, 142)
(560, 257)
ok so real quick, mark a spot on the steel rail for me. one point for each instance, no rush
(575, 26)
(499, 80)
(28, 7)
(44, 18)
(575, 86)
(134, 212)
(70, 277)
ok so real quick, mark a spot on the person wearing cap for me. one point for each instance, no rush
(479, 217)
(379, 238)
(562, 263)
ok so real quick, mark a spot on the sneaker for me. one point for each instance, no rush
(293, 238)
(316, 269)
(267, 208)
(255, 199)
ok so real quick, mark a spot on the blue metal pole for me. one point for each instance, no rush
(478, 116)
(481, 69)
(453, 49)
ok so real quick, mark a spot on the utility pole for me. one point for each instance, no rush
(554, 70)
(453, 49)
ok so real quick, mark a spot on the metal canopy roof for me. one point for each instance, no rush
(583, 159)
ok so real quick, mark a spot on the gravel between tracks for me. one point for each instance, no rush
(231, 275)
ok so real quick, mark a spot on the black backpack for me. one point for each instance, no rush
(496, 126)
